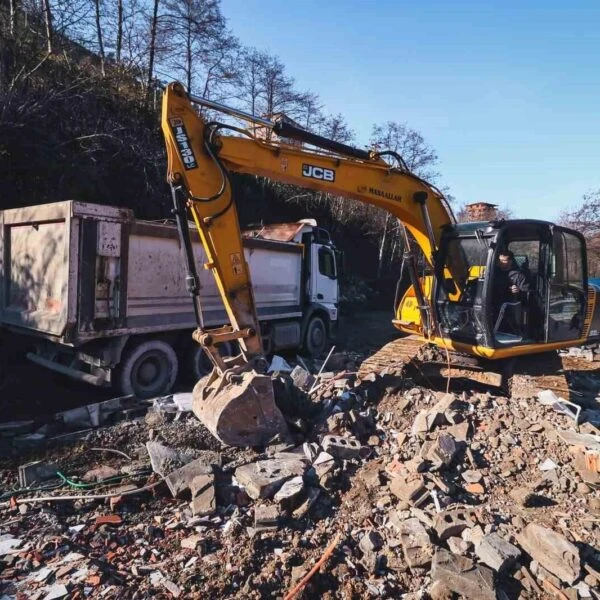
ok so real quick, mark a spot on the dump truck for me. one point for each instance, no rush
(103, 295)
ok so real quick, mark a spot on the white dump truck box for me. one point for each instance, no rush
(75, 272)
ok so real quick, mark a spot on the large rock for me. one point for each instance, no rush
(497, 553)
(460, 575)
(552, 551)
(416, 544)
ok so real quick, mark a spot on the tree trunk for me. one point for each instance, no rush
(13, 16)
(48, 21)
(99, 32)
(153, 26)
(188, 58)
(119, 29)
(382, 247)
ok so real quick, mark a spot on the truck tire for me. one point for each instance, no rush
(315, 338)
(148, 370)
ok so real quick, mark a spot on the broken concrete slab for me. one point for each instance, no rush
(203, 495)
(408, 489)
(579, 439)
(416, 545)
(191, 542)
(302, 378)
(183, 402)
(323, 464)
(289, 492)
(460, 575)
(552, 550)
(497, 553)
(263, 478)
(341, 447)
(265, 517)
(460, 431)
(180, 480)
(9, 544)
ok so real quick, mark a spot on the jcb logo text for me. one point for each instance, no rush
(318, 173)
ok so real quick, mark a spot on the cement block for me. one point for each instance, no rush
(341, 447)
(451, 523)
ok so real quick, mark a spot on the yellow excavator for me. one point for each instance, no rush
(455, 304)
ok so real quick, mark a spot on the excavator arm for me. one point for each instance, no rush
(200, 159)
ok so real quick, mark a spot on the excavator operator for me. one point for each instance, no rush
(509, 287)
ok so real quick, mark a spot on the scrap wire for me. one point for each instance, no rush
(91, 496)
(328, 552)
(112, 450)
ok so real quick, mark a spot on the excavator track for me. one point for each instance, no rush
(412, 356)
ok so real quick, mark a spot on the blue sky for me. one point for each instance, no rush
(507, 92)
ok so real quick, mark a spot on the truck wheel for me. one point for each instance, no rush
(148, 370)
(315, 339)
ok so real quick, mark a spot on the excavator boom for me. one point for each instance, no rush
(235, 402)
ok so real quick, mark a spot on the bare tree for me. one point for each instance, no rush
(119, 30)
(99, 35)
(420, 158)
(48, 23)
(14, 7)
(190, 30)
(586, 219)
(152, 46)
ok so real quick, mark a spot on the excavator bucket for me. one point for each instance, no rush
(241, 412)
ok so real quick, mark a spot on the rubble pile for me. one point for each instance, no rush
(387, 490)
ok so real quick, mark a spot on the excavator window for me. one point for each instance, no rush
(566, 298)
(459, 300)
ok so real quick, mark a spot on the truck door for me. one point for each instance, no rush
(324, 276)
(566, 286)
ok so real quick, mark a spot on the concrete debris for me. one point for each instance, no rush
(203, 494)
(497, 553)
(416, 545)
(451, 523)
(410, 489)
(302, 378)
(9, 544)
(341, 447)
(280, 365)
(460, 575)
(263, 478)
(443, 451)
(548, 465)
(180, 480)
(430, 494)
(289, 492)
(551, 550)
(265, 517)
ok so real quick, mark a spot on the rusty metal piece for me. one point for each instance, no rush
(239, 408)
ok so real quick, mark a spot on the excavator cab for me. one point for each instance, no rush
(474, 305)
